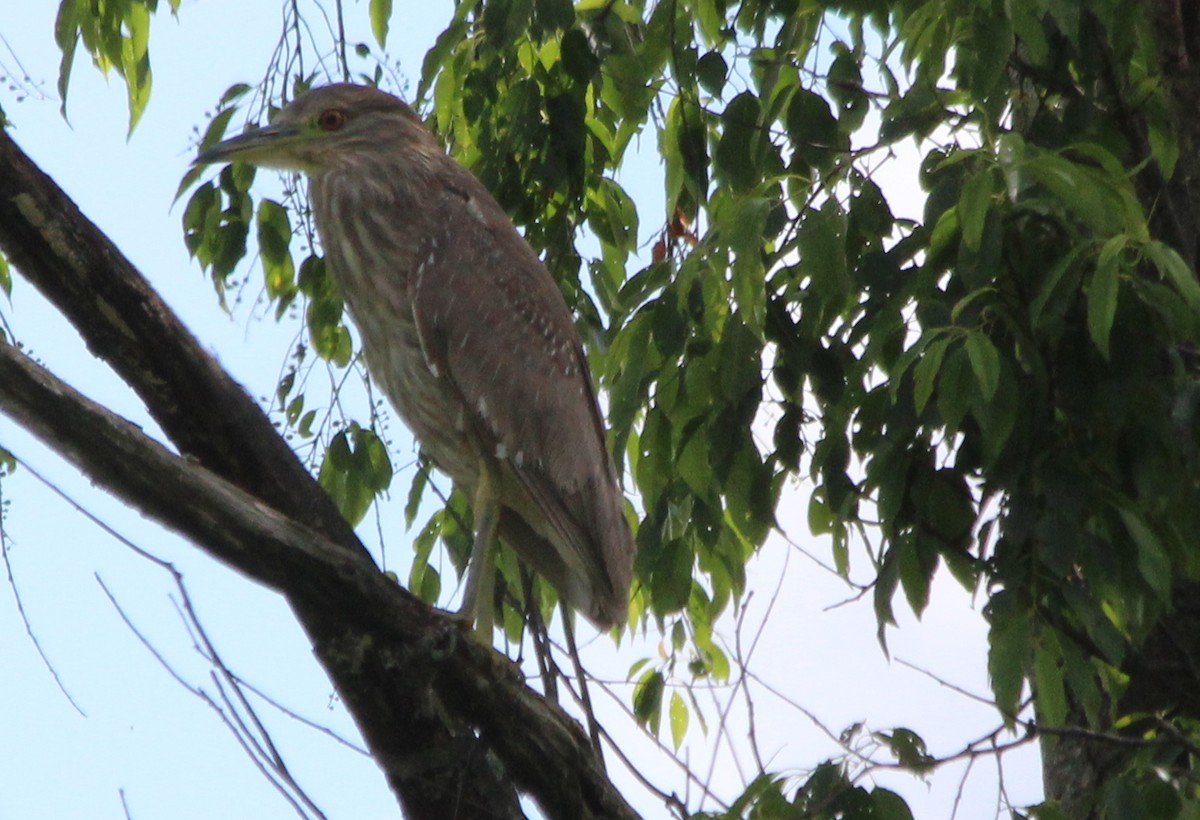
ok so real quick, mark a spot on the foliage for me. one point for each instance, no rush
(117, 35)
(5, 278)
(1003, 387)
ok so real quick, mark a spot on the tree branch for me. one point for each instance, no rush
(450, 722)
(204, 412)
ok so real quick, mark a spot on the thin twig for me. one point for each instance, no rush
(207, 699)
(5, 543)
(684, 767)
(951, 686)
(296, 716)
(962, 785)
(538, 633)
(341, 42)
(581, 676)
(198, 633)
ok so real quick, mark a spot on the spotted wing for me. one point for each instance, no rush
(492, 319)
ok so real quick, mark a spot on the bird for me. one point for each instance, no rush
(467, 334)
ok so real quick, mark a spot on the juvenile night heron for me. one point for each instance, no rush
(468, 336)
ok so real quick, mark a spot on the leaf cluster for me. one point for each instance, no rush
(116, 34)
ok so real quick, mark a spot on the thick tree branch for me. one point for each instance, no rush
(124, 321)
(452, 725)
(380, 624)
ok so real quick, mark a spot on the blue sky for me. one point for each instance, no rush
(147, 737)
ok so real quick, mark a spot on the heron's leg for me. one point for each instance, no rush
(478, 605)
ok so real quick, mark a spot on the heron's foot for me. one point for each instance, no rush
(471, 620)
(478, 606)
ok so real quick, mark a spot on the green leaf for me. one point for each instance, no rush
(233, 93)
(274, 232)
(505, 25)
(917, 563)
(356, 468)
(694, 464)
(444, 46)
(821, 519)
(956, 388)
(973, 207)
(306, 423)
(991, 53)
(985, 362)
(765, 793)
(5, 277)
(381, 13)
(431, 586)
(736, 157)
(647, 700)
(998, 416)
(1097, 622)
(135, 60)
(416, 491)
(711, 71)
(66, 35)
(711, 20)
(679, 719)
(1055, 291)
(885, 588)
(1102, 293)
(294, 408)
(742, 224)
(910, 355)
(887, 805)
(822, 243)
(671, 577)
(1171, 267)
(908, 747)
(419, 575)
(1009, 646)
(925, 374)
(1049, 810)
(943, 501)
(1154, 563)
(750, 493)
(1051, 693)
(845, 84)
(813, 131)
(1087, 193)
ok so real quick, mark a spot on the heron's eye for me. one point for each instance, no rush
(331, 120)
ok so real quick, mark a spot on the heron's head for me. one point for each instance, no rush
(326, 126)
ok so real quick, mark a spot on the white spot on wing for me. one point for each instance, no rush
(473, 209)
(519, 458)
(416, 288)
(482, 407)
(501, 450)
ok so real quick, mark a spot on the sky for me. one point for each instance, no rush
(132, 739)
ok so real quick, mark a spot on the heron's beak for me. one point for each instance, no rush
(270, 145)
